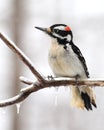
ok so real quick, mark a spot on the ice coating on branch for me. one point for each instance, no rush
(56, 96)
(18, 105)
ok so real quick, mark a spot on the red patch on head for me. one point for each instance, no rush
(67, 28)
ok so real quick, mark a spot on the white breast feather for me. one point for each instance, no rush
(65, 62)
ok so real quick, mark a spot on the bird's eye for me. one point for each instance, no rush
(56, 30)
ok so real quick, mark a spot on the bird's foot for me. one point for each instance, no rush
(50, 77)
(77, 77)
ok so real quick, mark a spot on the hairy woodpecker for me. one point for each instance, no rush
(66, 60)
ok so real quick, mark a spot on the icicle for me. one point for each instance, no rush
(67, 88)
(56, 102)
(56, 96)
(18, 105)
(56, 89)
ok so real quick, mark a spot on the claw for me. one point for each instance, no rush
(77, 77)
(50, 77)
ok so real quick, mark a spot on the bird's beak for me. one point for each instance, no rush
(46, 30)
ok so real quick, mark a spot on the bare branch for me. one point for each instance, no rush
(22, 56)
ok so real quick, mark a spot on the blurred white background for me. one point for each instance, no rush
(39, 111)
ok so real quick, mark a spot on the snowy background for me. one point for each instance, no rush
(41, 111)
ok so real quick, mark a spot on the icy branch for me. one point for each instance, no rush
(41, 81)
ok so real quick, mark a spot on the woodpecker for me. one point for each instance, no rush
(66, 60)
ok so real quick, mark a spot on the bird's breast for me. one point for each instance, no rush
(64, 62)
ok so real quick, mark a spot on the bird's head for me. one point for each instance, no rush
(58, 31)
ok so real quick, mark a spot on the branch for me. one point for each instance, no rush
(41, 82)
(25, 92)
(22, 56)
(26, 80)
(67, 81)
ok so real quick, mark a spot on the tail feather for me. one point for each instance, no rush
(87, 101)
(83, 97)
(76, 100)
(93, 103)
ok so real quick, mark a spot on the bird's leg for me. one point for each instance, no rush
(77, 77)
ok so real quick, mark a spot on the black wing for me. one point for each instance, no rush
(81, 58)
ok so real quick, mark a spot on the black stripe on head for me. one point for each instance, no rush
(56, 30)
(61, 32)
(56, 25)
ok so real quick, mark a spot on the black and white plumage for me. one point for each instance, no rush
(66, 60)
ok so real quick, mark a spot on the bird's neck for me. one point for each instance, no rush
(64, 41)
(61, 41)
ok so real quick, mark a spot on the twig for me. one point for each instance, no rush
(42, 82)
(26, 80)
